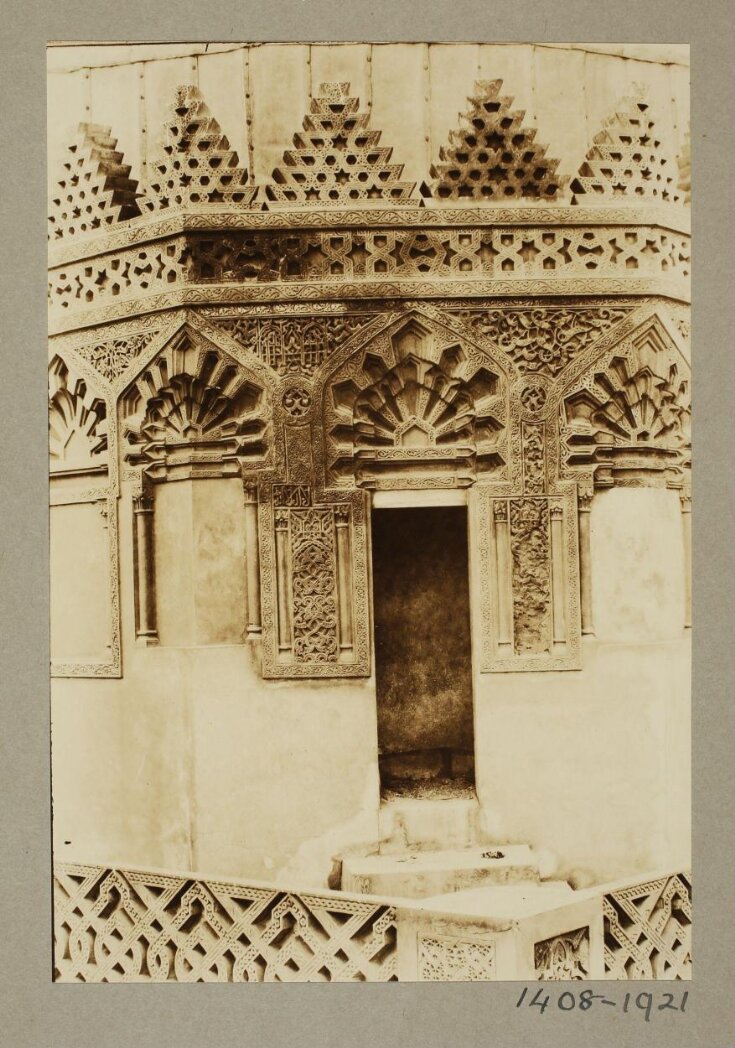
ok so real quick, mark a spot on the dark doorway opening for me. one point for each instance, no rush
(423, 650)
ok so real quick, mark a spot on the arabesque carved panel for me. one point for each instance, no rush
(314, 583)
(442, 959)
(563, 957)
(293, 345)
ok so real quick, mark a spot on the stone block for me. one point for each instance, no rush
(423, 874)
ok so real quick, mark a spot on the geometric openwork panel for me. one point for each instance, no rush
(630, 418)
(194, 411)
(95, 192)
(419, 409)
(648, 930)
(643, 259)
(337, 159)
(626, 160)
(77, 422)
(314, 582)
(125, 926)
(492, 156)
(196, 165)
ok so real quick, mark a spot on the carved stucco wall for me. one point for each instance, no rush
(193, 754)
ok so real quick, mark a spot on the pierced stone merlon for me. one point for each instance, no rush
(584, 506)
(252, 561)
(196, 164)
(686, 523)
(504, 582)
(337, 160)
(626, 160)
(95, 191)
(283, 577)
(344, 576)
(558, 576)
(492, 157)
(145, 632)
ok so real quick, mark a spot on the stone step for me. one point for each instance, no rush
(419, 874)
(409, 823)
(508, 901)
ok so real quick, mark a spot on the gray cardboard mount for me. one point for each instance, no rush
(33, 1011)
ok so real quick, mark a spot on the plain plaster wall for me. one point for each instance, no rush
(199, 542)
(79, 572)
(192, 761)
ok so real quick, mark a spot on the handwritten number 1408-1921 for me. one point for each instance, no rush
(642, 1003)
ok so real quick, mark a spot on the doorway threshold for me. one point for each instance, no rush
(428, 789)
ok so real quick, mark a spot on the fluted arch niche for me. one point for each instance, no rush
(415, 407)
(194, 411)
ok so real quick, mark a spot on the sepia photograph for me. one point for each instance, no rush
(370, 511)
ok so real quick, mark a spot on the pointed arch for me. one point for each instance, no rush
(77, 422)
(413, 402)
(194, 410)
(629, 418)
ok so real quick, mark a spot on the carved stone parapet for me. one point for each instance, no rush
(273, 260)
